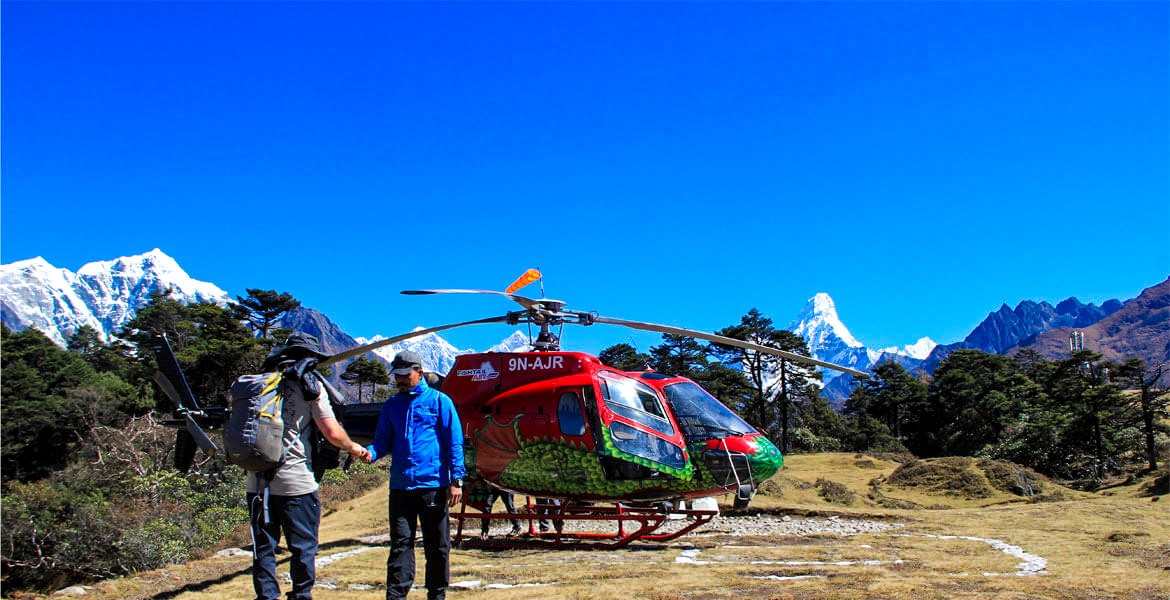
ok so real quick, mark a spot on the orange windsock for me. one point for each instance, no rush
(528, 277)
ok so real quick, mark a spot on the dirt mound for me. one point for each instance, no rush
(967, 477)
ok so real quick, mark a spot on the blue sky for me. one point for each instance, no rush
(678, 163)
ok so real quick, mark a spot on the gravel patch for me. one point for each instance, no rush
(764, 525)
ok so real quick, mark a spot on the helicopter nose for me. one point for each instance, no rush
(742, 459)
(766, 460)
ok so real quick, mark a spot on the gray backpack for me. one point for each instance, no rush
(254, 433)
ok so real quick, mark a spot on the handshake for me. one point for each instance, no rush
(358, 452)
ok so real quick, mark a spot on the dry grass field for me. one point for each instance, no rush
(949, 529)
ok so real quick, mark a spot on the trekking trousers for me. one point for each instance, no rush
(299, 517)
(409, 509)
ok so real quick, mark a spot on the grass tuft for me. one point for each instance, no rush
(835, 493)
(955, 476)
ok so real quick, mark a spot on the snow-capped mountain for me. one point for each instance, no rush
(517, 342)
(438, 354)
(829, 340)
(103, 295)
(918, 350)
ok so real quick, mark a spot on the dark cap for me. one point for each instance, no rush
(305, 342)
(297, 346)
(404, 362)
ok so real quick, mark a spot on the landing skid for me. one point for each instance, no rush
(631, 523)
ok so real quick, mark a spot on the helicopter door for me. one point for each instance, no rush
(636, 428)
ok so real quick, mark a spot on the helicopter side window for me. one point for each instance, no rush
(642, 444)
(636, 402)
(569, 414)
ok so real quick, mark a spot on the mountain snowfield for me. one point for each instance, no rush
(106, 295)
(103, 295)
(438, 354)
(829, 340)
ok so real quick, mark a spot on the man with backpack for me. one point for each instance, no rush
(286, 497)
(419, 427)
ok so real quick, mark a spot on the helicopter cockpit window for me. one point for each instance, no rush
(640, 443)
(701, 416)
(569, 414)
(636, 402)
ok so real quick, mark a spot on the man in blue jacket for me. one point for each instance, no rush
(420, 429)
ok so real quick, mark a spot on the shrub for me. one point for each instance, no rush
(159, 542)
(954, 476)
(339, 486)
(835, 493)
(1011, 478)
(218, 523)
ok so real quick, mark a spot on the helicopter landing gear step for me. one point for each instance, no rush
(743, 496)
(633, 524)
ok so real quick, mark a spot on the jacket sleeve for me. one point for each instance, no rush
(452, 439)
(383, 434)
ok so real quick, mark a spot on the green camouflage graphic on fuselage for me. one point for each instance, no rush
(559, 468)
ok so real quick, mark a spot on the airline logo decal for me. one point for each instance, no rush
(485, 372)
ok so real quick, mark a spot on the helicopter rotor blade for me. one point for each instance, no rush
(168, 389)
(201, 438)
(173, 383)
(171, 372)
(360, 350)
(718, 339)
(196, 432)
(527, 303)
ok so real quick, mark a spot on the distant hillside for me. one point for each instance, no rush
(1007, 328)
(1140, 329)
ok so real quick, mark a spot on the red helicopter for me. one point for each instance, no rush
(562, 425)
(594, 442)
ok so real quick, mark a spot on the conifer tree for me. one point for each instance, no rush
(1153, 402)
(366, 371)
(679, 355)
(777, 384)
(264, 308)
(624, 357)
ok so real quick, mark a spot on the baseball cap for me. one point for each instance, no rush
(404, 362)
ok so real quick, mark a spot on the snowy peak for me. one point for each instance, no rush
(918, 350)
(103, 295)
(819, 324)
(517, 342)
(437, 354)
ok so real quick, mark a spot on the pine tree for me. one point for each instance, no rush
(679, 355)
(1152, 402)
(624, 357)
(974, 398)
(263, 308)
(366, 370)
(777, 385)
(210, 342)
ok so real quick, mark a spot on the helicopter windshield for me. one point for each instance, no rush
(701, 416)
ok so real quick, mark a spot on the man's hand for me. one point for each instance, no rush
(358, 452)
(455, 496)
